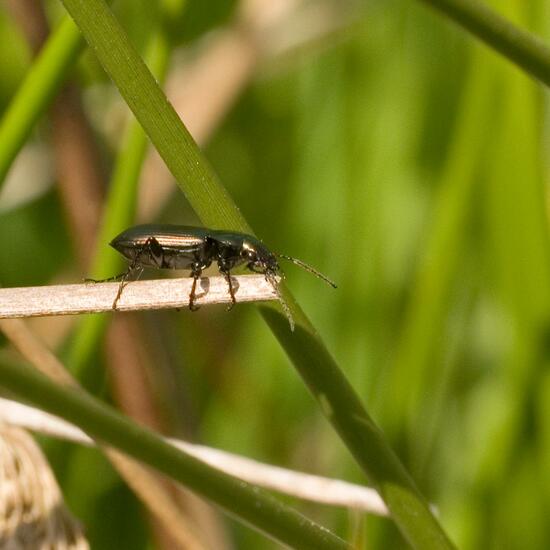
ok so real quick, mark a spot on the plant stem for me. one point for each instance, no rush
(237, 497)
(304, 486)
(40, 301)
(526, 50)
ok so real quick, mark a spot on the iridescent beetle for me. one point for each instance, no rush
(194, 249)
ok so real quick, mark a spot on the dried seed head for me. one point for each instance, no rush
(32, 512)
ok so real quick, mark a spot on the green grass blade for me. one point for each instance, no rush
(364, 439)
(42, 82)
(523, 48)
(216, 209)
(241, 500)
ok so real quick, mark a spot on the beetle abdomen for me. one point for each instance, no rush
(162, 246)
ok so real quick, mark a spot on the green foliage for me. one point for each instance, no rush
(408, 163)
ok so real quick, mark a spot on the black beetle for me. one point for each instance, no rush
(195, 248)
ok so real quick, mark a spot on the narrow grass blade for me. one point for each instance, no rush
(42, 82)
(526, 50)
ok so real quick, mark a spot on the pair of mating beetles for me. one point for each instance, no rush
(194, 249)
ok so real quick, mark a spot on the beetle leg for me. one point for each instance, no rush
(196, 274)
(153, 248)
(226, 273)
(132, 268)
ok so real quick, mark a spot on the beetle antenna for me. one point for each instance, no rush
(307, 267)
(273, 282)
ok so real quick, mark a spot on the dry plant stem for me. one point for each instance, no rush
(36, 353)
(32, 20)
(319, 489)
(304, 486)
(133, 386)
(140, 479)
(127, 350)
(143, 482)
(137, 295)
(80, 179)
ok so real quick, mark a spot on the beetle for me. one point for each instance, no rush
(196, 248)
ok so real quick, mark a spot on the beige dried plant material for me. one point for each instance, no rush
(32, 513)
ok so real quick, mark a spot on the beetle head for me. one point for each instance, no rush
(261, 260)
(258, 257)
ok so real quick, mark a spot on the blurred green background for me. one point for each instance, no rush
(407, 162)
